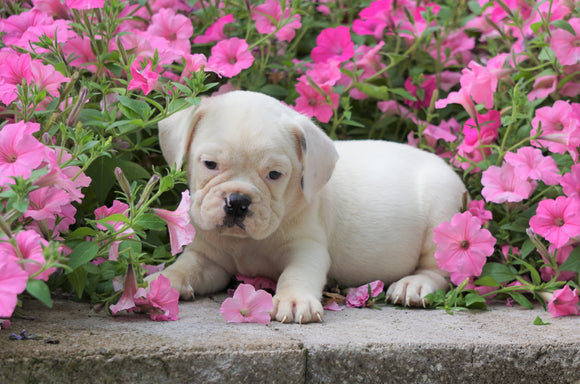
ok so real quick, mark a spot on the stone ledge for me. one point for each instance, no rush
(353, 346)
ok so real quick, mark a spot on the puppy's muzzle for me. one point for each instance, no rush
(237, 208)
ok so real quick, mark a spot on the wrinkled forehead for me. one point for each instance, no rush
(246, 127)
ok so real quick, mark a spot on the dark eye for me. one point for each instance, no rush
(274, 175)
(210, 164)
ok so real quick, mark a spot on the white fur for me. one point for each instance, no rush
(368, 215)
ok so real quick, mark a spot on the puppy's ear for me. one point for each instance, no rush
(176, 133)
(317, 154)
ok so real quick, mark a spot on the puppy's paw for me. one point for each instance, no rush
(296, 307)
(410, 291)
(177, 281)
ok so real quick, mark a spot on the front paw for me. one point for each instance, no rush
(410, 291)
(297, 307)
(177, 281)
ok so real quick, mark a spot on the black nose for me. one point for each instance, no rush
(237, 205)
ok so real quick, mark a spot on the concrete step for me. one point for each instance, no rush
(500, 345)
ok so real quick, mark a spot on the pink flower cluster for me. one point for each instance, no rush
(364, 295)
(50, 210)
(160, 302)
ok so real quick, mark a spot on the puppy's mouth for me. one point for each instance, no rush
(230, 222)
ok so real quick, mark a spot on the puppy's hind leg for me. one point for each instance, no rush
(428, 278)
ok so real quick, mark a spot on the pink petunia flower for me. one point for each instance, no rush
(557, 220)
(333, 306)
(216, 31)
(258, 282)
(16, 25)
(229, 57)
(103, 212)
(477, 137)
(313, 104)
(564, 302)
(161, 302)
(181, 232)
(461, 97)
(480, 82)
(565, 45)
(81, 52)
(428, 86)
(543, 86)
(560, 256)
(84, 4)
(560, 128)
(51, 29)
(14, 69)
(375, 18)
(333, 44)
(359, 297)
(193, 64)
(20, 152)
(175, 28)
(13, 280)
(127, 300)
(570, 182)
(462, 246)
(247, 306)
(45, 77)
(530, 163)
(501, 184)
(52, 8)
(477, 209)
(29, 253)
(143, 78)
(269, 18)
(324, 74)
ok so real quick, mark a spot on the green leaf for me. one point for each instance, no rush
(134, 247)
(527, 248)
(474, 301)
(39, 290)
(114, 218)
(563, 24)
(81, 233)
(78, 279)
(133, 171)
(538, 321)
(487, 281)
(140, 108)
(404, 93)
(151, 221)
(521, 300)
(501, 273)
(381, 93)
(572, 263)
(274, 91)
(82, 253)
(101, 171)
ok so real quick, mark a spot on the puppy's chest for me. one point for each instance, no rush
(253, 260)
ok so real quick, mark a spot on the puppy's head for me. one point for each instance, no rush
(250, 160)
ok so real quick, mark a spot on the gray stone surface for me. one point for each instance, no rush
(391, 345)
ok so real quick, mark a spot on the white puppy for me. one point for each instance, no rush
(271, 197)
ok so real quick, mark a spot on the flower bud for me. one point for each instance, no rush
(123, 182)
(147, 190)
(76, 109)
(542, 250)
(121, 48)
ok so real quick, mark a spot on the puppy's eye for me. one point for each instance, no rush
(274, 175)
(210, 164)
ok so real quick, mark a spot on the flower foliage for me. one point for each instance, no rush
(491, 86)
